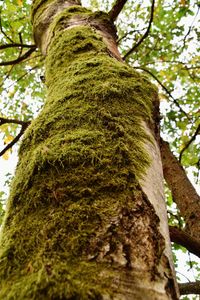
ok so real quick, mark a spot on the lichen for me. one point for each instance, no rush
(79, 162)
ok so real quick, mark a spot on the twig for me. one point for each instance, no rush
(190, 28)
(21, 41)
(189, 142)
(116, 9)
(20, 38)
(189, 288)
(145, 34)
(165, 89)
(183, 275)
(19, 59)
(16, 139)
(127, 33)
(3, 32)
(186, 65)
(182, 238)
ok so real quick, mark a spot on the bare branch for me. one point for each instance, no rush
(19, 59)
(116, 9)
(165, 89)
(182, 238)
(16, 139)
(189, 142)
(183, 192)
(145, 34)
(17, 45)
(189, 288)
(14, 121)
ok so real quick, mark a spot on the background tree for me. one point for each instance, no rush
(154, 39)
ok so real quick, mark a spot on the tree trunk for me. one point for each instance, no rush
(86, 217)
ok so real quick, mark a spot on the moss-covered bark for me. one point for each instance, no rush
(78, 225)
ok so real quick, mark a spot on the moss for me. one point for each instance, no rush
(80, 162)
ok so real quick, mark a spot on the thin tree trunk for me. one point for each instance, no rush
(86, 217)
(183, 192)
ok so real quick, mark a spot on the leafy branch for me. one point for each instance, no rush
(19, 59)
(23, 124)
(189, 142)
(145, 34)
(116, 9)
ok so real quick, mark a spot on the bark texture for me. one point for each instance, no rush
(80, 223)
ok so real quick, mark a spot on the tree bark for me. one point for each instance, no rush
(86, 217)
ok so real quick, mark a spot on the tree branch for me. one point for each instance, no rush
(16, 139)
(16, 45)
(182, 238)
(145, 34)
(165, 89)
(190, 28)
(116, 9)
(19, 59)
(189, 288)
(183, 192)
(5, 120)
(189, 142)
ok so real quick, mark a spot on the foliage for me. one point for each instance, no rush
(169, 56)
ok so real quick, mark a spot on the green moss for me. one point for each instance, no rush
(79, 166)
